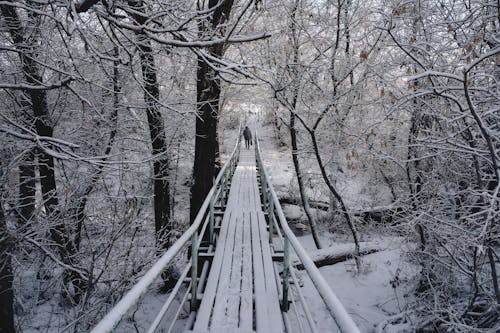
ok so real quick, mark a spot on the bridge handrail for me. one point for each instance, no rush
(335, 307)
(134, 295)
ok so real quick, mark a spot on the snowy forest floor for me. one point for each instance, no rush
(382, 289)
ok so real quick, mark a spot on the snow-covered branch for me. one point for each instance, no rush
(24, 86)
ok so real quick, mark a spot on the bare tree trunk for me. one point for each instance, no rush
(206, 156)
(415, 183)
(43, 126)
(6, 291)
(206, 142)
(27, 167)
(494, 274)
(293, 132)
(333, 191)
(27, 187)
(300, 181)
(339, 199)
(156, 131)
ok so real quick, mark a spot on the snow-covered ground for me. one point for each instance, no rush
(380, 291)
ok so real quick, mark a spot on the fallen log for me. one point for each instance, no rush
(379, 214)
(339, 253)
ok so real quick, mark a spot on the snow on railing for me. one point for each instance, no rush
(205, 216)
(271, 203)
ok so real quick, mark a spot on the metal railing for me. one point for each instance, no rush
(278, 224)
(194, 235)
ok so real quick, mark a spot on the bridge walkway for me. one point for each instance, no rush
(241, 292)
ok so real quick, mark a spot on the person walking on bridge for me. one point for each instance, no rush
(248, 137)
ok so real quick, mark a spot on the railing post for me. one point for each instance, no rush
(286, 264)
(226, 177)
(270, 215)
(264, 186)
(211, 221)
(194, 271)
(223, 189)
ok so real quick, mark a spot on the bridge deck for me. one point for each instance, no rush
(241, 293)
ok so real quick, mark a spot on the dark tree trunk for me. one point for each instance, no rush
(27, 187)
(206, 142)
(27, 167)
(300, 181)
(338, 198)
(6, 291)
(156, 131)
(206, 156)
(415, 183)
(293, 132)
(333, 191)
(158, 145)
(43, 127)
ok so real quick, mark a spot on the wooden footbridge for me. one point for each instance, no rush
(238, 278)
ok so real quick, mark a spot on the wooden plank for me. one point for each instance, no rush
(220, 317)
(204, 314)
(270, 278)
(246, 302)
(233, 302)
(205, 310)
(242, 280)
(262, 315)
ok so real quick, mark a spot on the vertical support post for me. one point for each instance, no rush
(211, 219)
(286, 273)
(270, 215)
(226, 176)
(194, 271)
(264, 189)
(223, 189)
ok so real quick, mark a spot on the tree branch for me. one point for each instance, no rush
(30, 87)
(84, 5)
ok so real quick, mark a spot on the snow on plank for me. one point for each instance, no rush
(262, 315)
(270, 277)
(246, 302)
(234, 295)
(243, 269)
(205, 310)
(220, 318)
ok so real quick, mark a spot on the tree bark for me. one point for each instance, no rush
(415, 183)
(206, 142)
(333, 190)
(27, 187)
(27, 167)
(43, 126)
(206, 156)
(156, 131)
(300, 181)
(339, 199)
(293, 131)
(6, 291)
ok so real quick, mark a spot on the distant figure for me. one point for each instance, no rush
(248, 137)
